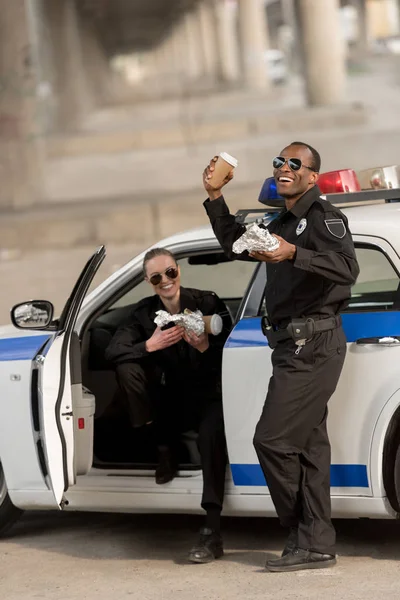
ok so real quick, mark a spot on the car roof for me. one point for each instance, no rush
(382, 220)
(379, 220)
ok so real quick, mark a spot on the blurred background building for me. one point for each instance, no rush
(110, 109)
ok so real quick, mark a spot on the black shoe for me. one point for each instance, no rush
(291, 542)
(300, 559)
(167, 467)
(208, 548)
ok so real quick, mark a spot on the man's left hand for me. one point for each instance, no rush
(200, 342)
(285, 251)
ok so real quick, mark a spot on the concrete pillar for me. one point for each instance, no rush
(177, 54)
(323, 50)
(227, 40)
(360, 47)
(393, 10)
(96, 65)
(73, 97)
(194, 50)
(292, 52)
(208, 37)
(253, 29)
(21, 141)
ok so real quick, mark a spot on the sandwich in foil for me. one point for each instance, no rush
(191, 321)
(255, 238)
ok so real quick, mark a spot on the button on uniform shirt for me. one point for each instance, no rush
(317, 282)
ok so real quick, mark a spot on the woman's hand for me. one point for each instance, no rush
(200, 342)
(164, 339)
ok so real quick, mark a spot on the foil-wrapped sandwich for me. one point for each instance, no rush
(191, 321)
(255, 238)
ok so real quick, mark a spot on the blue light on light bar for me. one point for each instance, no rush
(269, 191)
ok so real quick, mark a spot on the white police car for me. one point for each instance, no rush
(62, 446)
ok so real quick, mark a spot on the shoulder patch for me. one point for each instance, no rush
(336, 227)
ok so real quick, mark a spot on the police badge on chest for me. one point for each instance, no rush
(301, 226)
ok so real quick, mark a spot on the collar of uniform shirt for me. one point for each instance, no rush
(305, 202)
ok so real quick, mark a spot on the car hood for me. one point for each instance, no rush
(9, 331)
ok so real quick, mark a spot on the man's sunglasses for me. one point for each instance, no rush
(294, 164)
(171, 273)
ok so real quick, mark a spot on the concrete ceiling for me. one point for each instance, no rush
(129, 25)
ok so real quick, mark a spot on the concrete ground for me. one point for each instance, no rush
(57, 556)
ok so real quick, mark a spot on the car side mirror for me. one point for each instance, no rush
(34, 314)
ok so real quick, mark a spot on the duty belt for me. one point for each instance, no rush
(299, 330)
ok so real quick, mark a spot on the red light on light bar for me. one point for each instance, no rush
(81, 423)
(336, 182)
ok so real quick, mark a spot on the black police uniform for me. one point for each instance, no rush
(291, 438)
(179, 387)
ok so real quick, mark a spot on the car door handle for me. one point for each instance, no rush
(391, 340)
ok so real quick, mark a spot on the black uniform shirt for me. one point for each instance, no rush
(181, 363)
(317, 281)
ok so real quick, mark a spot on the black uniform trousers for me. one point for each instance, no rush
(177, 407)
(291, 438)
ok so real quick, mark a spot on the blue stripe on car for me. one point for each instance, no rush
(247, 332)
(21, 348)
(341, 475)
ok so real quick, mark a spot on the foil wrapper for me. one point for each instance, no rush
(255, 238)
(191, 321)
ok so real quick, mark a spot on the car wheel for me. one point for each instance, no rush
(9, 513)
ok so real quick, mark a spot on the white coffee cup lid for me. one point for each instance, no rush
(216, 323)
(229, 159)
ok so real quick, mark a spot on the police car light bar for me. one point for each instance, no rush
(269, 194)
(242, 215)
(342, 200)
(380, 178)
(335, 182)
(341, 181)
(364, 197)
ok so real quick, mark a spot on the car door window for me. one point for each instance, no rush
(208, 271)
(377, 286)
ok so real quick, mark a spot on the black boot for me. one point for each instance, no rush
(208, 548)
(291, 542)
(300, 559)
(167, 467)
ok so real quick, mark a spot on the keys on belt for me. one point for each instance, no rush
(299, 330)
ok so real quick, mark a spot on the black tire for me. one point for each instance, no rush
(9, 513)
(396, 478)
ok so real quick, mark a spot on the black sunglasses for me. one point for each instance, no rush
(294, 164)
(171, 273)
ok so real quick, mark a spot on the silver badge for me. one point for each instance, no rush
(301, 226)
(336, 227)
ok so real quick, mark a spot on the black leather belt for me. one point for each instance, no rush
(299, 330)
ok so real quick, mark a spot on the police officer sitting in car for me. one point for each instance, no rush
(171, 381)
(308, 284)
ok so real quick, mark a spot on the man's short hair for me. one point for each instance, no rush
(316, 160)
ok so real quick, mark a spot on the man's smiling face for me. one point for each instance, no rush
(293, 184)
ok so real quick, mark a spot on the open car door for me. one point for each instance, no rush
(55, 415)
(60, 387)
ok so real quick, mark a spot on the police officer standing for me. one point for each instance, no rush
(308, 284)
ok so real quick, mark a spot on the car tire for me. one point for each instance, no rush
(9, 513)
(396, 479)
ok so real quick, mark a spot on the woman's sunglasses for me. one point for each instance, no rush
(171, 273)
(294, 164)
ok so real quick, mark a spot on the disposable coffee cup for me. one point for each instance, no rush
(224, 165)
(213, 324)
